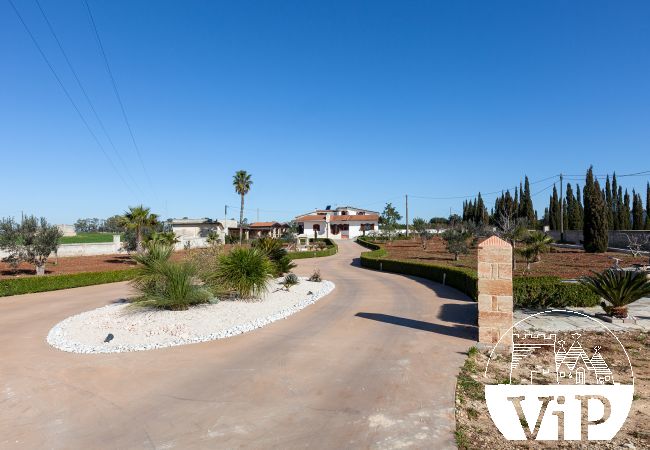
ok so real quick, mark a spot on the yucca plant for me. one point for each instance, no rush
(245, 271)
(274, 249)
(290, 280)
(618, 288)
(171, 286)
(154, 254)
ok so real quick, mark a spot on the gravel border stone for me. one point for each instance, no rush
(69, 335)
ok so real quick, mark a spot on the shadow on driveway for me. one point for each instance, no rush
(456, 330)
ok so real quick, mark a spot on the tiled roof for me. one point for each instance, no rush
(263, 224)
(311, 217)
(358, 217)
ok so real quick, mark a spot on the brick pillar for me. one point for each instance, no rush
(494, 291)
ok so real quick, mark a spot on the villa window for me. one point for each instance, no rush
(316, 227)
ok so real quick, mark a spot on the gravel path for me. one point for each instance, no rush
(136, 329)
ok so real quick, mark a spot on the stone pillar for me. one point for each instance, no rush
(494, 291)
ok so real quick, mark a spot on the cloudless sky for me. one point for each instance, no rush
(336, 102)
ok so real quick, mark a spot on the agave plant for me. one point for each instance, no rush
(618, 288)
(315, 277)
(290, 280)
(246, 271)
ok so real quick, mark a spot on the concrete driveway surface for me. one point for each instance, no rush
(372, 365)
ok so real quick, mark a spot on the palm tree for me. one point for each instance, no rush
(139, 218)
(242, 182)
(535, 244)
(619, 288)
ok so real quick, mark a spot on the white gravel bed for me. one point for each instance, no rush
(136, 328)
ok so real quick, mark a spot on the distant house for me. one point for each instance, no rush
(194, 232)
(267, 229)
(344, 222)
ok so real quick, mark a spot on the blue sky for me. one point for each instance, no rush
(323, 102)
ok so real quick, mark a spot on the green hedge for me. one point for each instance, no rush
(464, 280)
(28, 285)
(530, 292)
(546, 292)
(330, 249)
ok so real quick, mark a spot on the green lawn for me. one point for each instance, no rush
(87, 238)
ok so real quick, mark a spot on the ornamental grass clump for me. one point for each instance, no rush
(618, 288)
(274, 249)
(245, 271)
(166, 285)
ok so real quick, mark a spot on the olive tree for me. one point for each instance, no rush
(32, 241)
(421, 227)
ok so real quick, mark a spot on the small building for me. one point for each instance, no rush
(194, 232)
(344, 222)
(267, 229)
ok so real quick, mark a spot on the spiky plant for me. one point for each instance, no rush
(619, 288)
(155, 253)
(535, 244)
(246, 271)
(170, 286)
(315, 277)
(274, 249)
(290, 280)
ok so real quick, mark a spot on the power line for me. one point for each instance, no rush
(117, 95)
(483, 194)
(83, 90)
(67, 94)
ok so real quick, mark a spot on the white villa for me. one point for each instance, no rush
(344, 222)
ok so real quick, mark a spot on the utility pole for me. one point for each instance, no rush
(407, 215)
(561, 209)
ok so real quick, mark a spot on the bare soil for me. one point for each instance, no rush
(562, 262)
(475, 429)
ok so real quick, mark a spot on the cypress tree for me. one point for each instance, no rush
(581, 211)
(637, 211)
(595, 217)
(571, 210)
(516, 203)
(528, 212)
(616, 224)
(609, 204)
(626, 223)
(554, 211)
(647, 208)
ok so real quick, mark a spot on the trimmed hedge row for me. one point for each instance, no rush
(464, 280)
(546, 292)
(28, 285)
(530, 292)
(330, 249)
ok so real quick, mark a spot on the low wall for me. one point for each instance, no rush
(617, 238)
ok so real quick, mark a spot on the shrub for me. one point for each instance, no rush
(246, 271)
(315, 277)
(172, 286)
(618, 288)
(290, 280)
(28, 285)
(457, 241)
(274, 249)
(329, 250)
(547, 292)
(464, 280)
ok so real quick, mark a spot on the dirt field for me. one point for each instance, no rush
(562, 262)
(475, 429)
(77, 264)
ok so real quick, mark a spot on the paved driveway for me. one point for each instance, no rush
(372, 365)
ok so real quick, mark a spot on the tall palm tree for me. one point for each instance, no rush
(242, 182)
(139, 218)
